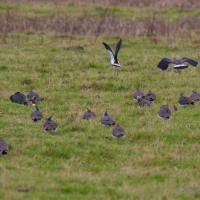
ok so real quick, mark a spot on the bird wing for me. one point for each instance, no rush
(163, 64)
(112, 58)
(118, 47)
(192, 62)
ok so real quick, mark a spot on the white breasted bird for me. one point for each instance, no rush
(178, 64)
(118, 132)
(113, 56)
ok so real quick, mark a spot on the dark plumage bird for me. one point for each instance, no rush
(175, 108)
(50, 125)
(118, 132)
(107, 120)
(88, 114)
(178, 64)
(195, 96)
(3, 147)
(19, 97)
(32, 101)
(164, 112)
(137, 93)
(36, 115)
(113, 57)
(79, 47)
(184, 101)
(32, 95)
(150, 96)
(143, 102)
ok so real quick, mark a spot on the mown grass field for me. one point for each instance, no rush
(81, 160)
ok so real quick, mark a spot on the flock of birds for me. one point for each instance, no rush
(107, 120)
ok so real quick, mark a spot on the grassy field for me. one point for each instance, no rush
(157, 159)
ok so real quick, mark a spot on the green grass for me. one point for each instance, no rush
(81, 160)
(39, 10)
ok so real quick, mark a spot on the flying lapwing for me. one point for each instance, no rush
(195, 96)
(50, 125)
(184, 101)
(137, 93)
(3, 147)
(150, 96)
(36, 115)
(164, 112)
(178, 64)
(88, 114)
(143, 102)
(113, 57)
(118, 132)
(107, 120)
(32, 95)
(19, 97)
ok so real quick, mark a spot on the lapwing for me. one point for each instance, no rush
(107, 120)
(164, 112)
(88, 114)
(3, 147)
(137, 93)
(50, 125)
(118, 132)
(79, 47)
(178, 64)
(32, 94)
(195, 96)
(150, 96)
(143, 102)
(19, 97)
(184, 101)
(32, 101)
(113, 57)
(36, 115)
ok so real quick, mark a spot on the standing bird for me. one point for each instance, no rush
(178, 64)
(143, 102)
(107, 120)
(3, 147)
(184, 101)
(19, 97)
(88, 114)
(36, 115)
(50, 125)
(137, 93)
(150, 96)
(113, 57)
(118, 132)
(32, 94)
(164, 112)
(195, 96)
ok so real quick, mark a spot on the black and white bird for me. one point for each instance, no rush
(3, 147)
(164, 112)
(178, 64)
(19, 97)
(137, 93)
(195, 96)
(143, 102)
(32, 95)
(88, 114)
(118, 132)
(50, 125)
(150, 96)
(113, 56)
(36, 115)
(107, 120)
(184, 101)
